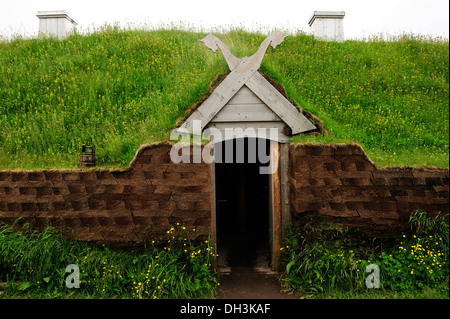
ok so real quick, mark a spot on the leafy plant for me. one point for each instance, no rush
(418, 262)
(175, 267)
(320, 262)
(437, 227)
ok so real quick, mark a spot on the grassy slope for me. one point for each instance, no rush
(121, 88)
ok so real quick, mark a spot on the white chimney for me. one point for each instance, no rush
(327, 25)
(57, 23)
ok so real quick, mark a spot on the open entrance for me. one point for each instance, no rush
(243, 208)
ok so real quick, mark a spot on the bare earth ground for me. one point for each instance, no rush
(246, 275)
(248, 283)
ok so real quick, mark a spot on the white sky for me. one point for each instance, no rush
(362, 18)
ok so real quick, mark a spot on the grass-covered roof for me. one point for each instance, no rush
(119, 89)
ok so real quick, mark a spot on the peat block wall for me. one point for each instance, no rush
(341, 183)
(109, 206)
(139, 204)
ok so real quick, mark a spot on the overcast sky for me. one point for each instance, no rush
(362, 18)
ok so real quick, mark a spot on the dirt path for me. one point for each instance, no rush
(246, 272)
(248, 283)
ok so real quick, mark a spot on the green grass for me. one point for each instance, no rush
(120, 88)
(426, 293)
(327, 261)
(33, 263)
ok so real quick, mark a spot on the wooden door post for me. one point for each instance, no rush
(276, 204)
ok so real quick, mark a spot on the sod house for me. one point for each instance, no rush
(230, 174)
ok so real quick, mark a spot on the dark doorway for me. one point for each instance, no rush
(242, 203)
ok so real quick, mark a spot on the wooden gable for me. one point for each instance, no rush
(255, 104)
(245, 99)
(245, 106)
(246, 110)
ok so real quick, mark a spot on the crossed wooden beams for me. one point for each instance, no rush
(244, 71)
(253, 62)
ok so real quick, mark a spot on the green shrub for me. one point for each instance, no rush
(419, 260)
(417, 263)
(318, 260)
(175, 267)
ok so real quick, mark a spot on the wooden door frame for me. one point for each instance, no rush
(279, 200)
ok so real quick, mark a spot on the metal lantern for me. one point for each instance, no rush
(87, 157)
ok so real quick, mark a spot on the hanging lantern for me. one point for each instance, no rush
(87, 158)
